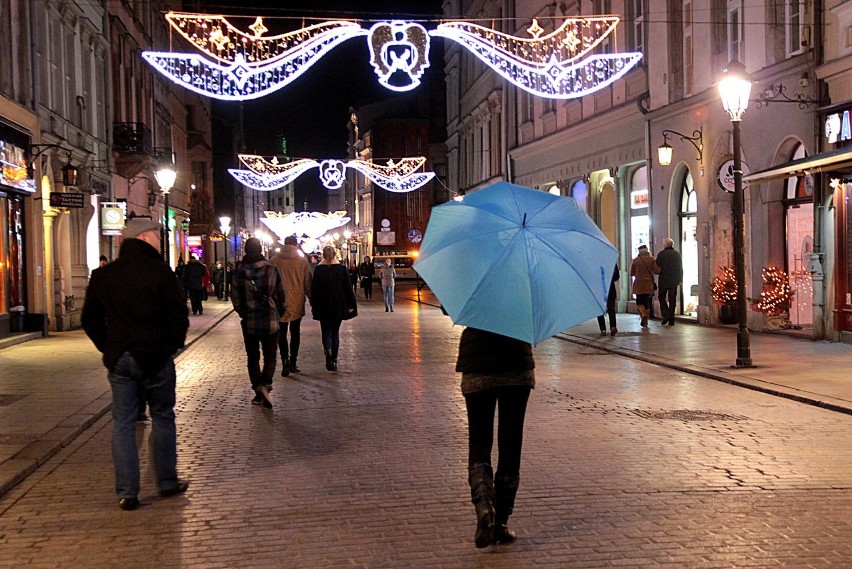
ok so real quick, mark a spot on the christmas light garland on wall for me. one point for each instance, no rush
(396, 176)
(558, 65)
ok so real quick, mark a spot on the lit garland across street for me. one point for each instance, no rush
(558, 65)
(267, 175)
(303, 223)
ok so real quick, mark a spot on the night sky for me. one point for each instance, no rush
(312, 112)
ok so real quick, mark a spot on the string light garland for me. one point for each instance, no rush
(558, 65)
(396, 176)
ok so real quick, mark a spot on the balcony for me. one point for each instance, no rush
(132, 144)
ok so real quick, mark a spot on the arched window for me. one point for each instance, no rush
(688, 198)
(799, 187)
(688, 243)
(799, 218)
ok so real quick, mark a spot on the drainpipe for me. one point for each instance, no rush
(822, 201)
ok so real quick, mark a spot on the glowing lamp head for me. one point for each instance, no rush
(166, 179)
(664, 154)
(735, 89)
(225, 224)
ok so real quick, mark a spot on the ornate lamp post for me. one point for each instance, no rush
(735, 89)
(166, 180)
(225, 228)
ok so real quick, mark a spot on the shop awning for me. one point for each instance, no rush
(832, 161)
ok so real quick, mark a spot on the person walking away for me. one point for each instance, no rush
(387, 274)
(193, 276)
(353, 276)
(332, 301)
(642, 269)
(229, 278)
(257, 294)
(497, 374)
(295, 271)
(217, 275)
(611, 297)
(179, 268)
(671, 275)
(367, 272)
(205, 282)
(135, 314)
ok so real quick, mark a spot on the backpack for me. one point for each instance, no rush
(257, 293)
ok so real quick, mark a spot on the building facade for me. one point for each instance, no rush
(602, 149)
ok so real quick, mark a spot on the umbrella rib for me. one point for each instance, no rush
(569, 262)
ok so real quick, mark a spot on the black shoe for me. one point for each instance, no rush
(391, 308)
(333, 365)
(328, 360)
(294, 368)
(387, 309)
(181, 487)
(257, 399)
(671, 322)
(502, 534)
(285, 368)
(128, 504)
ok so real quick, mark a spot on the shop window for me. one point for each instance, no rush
(640, 220)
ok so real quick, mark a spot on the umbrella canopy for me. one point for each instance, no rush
(519, 262)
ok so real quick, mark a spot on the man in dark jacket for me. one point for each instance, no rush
(671, 275)
(193, 279)
(135, 313)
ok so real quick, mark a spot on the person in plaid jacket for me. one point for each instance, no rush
(258, 297)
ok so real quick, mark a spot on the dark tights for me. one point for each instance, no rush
(511, 403)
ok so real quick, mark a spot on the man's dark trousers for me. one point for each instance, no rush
(668, 301)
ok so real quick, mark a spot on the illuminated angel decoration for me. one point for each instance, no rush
(237, 65)
(396, 176)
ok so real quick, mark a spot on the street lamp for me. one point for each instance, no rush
(735, 89)
(225, 228)
(166, 180)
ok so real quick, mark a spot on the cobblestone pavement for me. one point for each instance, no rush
(626, 464)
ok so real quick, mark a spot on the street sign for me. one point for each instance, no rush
(66, 199)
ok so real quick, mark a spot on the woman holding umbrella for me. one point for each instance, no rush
(332, 301)
(497, 372)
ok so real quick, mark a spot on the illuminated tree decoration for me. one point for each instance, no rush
(559, 65)
(303, 223)
(553, 66)
(724, 286)
(775, 297)
(395, 176)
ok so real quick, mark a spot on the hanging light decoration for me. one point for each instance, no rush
(396, 176)
(236, 65)
(303, 224)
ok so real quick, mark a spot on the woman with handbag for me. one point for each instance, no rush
(332, 301)
(643, 269)
(367, 272)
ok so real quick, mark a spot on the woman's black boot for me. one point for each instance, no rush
(505, 490)
(481, 480)
(328, 364)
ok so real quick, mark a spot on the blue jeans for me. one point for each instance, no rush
(330, 335)
(387, 291)
(127, 380)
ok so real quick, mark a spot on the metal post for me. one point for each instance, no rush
(743, 339)
(166, 226)
(225, 269)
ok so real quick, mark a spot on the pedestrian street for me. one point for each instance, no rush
(625, 464)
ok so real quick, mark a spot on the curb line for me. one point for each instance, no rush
(753, 384)
(44, 448)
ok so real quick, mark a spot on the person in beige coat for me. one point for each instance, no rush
(296, 273)
(643, 269)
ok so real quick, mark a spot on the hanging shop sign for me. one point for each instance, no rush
(14, 169)
(113, 215)
(725, 177)
(231, 64)
(66, 199)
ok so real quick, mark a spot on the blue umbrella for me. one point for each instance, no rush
(518, 262)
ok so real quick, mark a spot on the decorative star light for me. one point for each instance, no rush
(558, 65)
(303, 224)
(396, 176)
